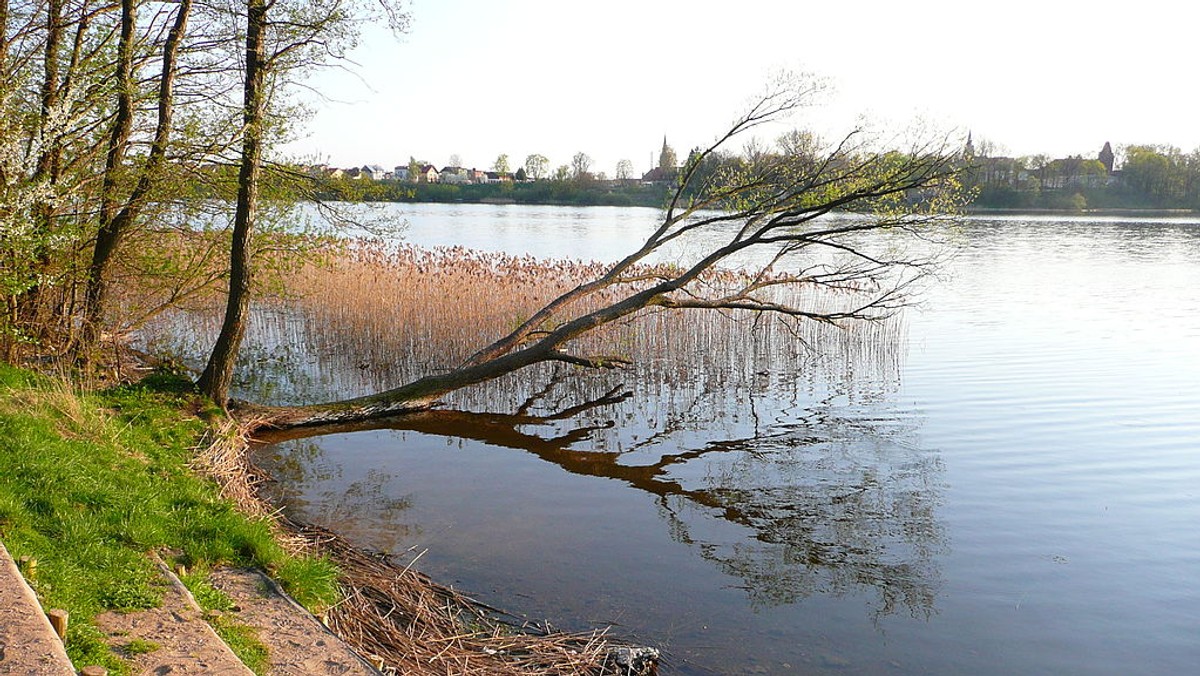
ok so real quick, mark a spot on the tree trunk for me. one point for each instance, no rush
(114, 223)
(48, 156)
(218, 374)
(3, 37)
(109, 232)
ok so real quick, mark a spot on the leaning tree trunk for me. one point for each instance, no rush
(218, 374)
(775, 205)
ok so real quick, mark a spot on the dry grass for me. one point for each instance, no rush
(427, 306)
(417, 626)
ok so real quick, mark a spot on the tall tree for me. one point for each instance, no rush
(624, 170)
(500, 166)
(536, 166)
(580, 166)
(218, 373)
(117, 218)
(301, 36)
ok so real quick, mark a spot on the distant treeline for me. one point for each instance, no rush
(1150, 177)
(565, 192)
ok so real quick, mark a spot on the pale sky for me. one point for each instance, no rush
(477, 78)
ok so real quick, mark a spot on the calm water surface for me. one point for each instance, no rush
(1010, 485)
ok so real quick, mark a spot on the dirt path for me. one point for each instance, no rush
(184, 643)
(171, 639)
(28, 644)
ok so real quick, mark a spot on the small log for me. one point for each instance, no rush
(93, 671)
(58, 620)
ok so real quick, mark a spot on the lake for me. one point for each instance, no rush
(1007, 480)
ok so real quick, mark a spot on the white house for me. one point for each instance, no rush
(454, 175)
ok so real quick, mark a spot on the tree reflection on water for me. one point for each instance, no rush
(830, 502)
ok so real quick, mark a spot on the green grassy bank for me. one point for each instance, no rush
(91, 483)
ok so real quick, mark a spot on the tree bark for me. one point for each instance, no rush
(217, 377)
(3, 37)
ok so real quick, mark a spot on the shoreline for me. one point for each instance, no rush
(390, 614)
(1114, 211)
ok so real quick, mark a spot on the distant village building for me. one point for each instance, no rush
(429, 174)
(373, 172)
(455, 175)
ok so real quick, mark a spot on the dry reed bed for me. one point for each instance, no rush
(367, 316)
(372, 317)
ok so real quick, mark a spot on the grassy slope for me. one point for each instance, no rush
(90, 483)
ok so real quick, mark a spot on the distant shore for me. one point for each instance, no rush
(1124, 211)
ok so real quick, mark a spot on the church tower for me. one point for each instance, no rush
(1106, 157)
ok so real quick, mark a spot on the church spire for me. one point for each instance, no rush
(666, 158)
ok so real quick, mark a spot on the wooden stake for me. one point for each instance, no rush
(58, 620)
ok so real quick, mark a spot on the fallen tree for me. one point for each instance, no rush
(828, 217)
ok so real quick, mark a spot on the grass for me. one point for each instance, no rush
(241, 639)
(139, 646)
(244, 643)
(90, 483)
